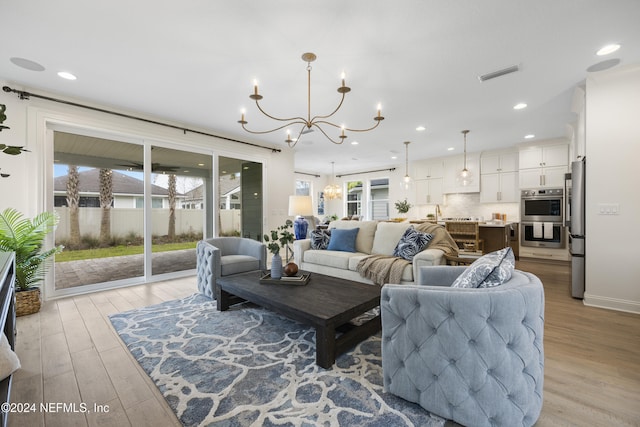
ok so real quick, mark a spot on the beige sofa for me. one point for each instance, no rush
(373, 238)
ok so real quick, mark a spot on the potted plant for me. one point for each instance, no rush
(277, 238)
(403, 206)
(26, 237)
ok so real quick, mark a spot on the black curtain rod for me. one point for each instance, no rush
(26, 95)
(358, 173)
(310, 174)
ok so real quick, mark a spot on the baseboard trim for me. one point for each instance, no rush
(612, 303)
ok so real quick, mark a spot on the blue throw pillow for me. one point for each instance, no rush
(320, 239)
(343, 240)
(411, 243)
(489, 270)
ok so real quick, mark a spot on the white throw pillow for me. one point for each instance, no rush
(9, 361)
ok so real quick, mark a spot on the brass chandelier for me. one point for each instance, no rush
(333, 191)
(309, 122)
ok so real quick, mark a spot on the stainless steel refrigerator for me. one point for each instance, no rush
(577, 228)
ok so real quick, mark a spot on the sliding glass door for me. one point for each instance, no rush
(240, 198)
(123, 219)
(98, 185)
(181, 185)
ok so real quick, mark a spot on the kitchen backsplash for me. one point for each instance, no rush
(469, 206)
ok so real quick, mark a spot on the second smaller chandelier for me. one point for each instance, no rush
(309, 122)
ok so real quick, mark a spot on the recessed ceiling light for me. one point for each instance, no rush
(450, 149)
(520, 106)
(200, 164)
(354, 143)
(26, 64)
(394, 157)
(529, 136)
(606, 50)
(66, 75)
(420, 128)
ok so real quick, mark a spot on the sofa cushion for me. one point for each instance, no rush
(412, 242)
(336, 259)
(320, 239)
(232, 264)
(343, 240)
(492, 269)
(364, 240)
(387, 236)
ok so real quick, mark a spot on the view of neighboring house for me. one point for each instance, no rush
(128, 191)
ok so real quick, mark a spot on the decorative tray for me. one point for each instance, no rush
(298, 280)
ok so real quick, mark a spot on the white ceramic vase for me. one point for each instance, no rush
(276, 267)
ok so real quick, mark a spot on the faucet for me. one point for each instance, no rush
(438, 212)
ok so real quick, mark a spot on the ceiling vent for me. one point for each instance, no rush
(499, 73)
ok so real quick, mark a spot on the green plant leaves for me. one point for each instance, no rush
(25, 237)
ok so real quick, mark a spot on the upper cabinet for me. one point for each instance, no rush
(543, 166)
(429, 191)
(499, 177)
(498, 162)
(428, 176)
(453, 166)
(425, 169)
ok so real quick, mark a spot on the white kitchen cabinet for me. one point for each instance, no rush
(543, 167)
(498, 162)
(427, 169)
(499, 187)
(547, 177)
(429, 191)
(544, 156)
(452, 167)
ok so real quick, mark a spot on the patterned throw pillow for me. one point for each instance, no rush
(411, 243)
(320, 239)
(492, 269)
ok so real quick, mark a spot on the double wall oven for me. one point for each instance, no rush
(542, 218)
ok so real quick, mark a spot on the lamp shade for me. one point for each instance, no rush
(300, 205)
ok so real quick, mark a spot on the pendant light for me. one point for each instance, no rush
(406, 180)
(333, 190)
(465, 177)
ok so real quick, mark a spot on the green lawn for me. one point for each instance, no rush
(67, 255)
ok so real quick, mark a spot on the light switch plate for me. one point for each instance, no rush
(608, 209)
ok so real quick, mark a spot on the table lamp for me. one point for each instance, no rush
(300, 206)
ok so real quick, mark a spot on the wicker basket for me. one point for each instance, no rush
(27, 302)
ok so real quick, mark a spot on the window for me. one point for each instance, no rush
(379, 198)
(303, 188)
(354, 198)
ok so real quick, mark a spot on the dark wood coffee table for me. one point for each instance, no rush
(326, 303)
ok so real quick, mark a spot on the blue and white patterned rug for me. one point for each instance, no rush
(251, 367)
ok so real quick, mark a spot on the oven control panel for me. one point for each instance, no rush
(543, 192)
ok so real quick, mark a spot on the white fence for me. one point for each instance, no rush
(131, 221)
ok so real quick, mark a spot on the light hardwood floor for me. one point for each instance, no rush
(71, 354)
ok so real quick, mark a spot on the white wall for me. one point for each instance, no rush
(613, 159)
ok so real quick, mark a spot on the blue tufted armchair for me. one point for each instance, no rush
(474, 356)
(223, 256)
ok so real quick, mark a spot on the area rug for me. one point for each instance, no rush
(251, 367)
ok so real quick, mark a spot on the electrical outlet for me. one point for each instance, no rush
(608, 209)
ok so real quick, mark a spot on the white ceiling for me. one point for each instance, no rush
(193, 62)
